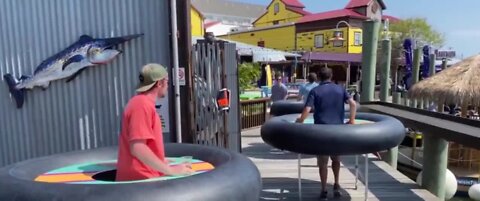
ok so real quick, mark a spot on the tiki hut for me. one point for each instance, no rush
(458, 84)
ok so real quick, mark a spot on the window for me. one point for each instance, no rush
(261, 43)
(318, 40)
(276, 8)
(358, 39)
(340, 42)
(275, 22)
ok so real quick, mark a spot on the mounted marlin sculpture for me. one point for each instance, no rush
(69, 63)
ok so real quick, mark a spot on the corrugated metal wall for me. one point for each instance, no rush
(84, 113)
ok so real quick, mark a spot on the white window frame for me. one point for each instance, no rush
(276, 8)
(357, 40)
(317, 42)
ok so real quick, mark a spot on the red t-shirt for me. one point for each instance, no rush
(139, 121)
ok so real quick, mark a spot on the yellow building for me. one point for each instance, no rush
(281, 12)
(332, 38)
(310, 32)
(196, 22)
(279, 37)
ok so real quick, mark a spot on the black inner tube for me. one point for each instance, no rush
(285, 107)
(232, 170)
(315, 139)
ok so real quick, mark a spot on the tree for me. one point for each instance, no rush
(414, 28)
(418, 29)
(248, 73)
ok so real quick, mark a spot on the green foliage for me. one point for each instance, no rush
(248, 73)
(415, 28)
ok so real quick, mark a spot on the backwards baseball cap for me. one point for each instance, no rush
(150, 74)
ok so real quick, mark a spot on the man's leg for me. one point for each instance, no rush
(336, 174)
(322, 162)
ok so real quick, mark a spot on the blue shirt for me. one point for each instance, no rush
(279, 92)
(305, 90)
(329, 100)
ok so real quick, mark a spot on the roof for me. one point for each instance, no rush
(336, 57)
(391, 18)
(228, 8)
(459, 83)
(298, 10)
(331, 15)
(199, 13)
(261, 28)
(260, 53)
(210, 24)
(293, 3)
(361, 3)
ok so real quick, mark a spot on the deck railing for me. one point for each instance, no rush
(254, 112)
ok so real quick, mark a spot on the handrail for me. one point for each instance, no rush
(451, 128)
(253, 112)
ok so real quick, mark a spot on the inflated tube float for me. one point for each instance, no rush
(284, 107)
(90, 175)
(371, 133)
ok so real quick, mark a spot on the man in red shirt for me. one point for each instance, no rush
(141, 154)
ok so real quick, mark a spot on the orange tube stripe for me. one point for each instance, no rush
(87, 176)
(65, 178)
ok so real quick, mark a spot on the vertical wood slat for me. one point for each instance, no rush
(210, 76)
(254, 112)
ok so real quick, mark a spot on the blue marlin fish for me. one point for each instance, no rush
(69, 63)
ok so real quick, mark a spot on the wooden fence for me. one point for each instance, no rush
(254, 112)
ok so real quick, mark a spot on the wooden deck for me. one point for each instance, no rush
(279, 176)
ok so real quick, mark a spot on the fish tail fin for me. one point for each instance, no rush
(18, 94)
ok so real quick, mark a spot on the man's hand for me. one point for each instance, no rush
(304, 115)
(353, 110)
(180, 170)
(299, 120)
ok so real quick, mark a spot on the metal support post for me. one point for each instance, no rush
(300, 176)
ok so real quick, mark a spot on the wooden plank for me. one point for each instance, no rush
(279, 176)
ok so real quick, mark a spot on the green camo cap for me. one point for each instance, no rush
(150, 74)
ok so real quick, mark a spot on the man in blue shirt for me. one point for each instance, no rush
(279, 90)
(305, 89)
(328, 100)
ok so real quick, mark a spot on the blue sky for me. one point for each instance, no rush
(458, 20)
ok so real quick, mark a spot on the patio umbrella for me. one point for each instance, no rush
(459, 84)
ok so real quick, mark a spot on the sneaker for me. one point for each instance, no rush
(323, 195)
(336, 191)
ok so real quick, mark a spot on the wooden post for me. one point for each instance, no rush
(464, 109)
(444, 64)
(392, 154)
(416, 72)
(435, 160)
(369, 58)
(348, 76)
(385, 70)
(397, 98)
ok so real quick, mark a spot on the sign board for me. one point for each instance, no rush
(181, 76)
(164, 114)
(445, 54)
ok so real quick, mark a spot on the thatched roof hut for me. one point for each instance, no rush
(459, 84)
